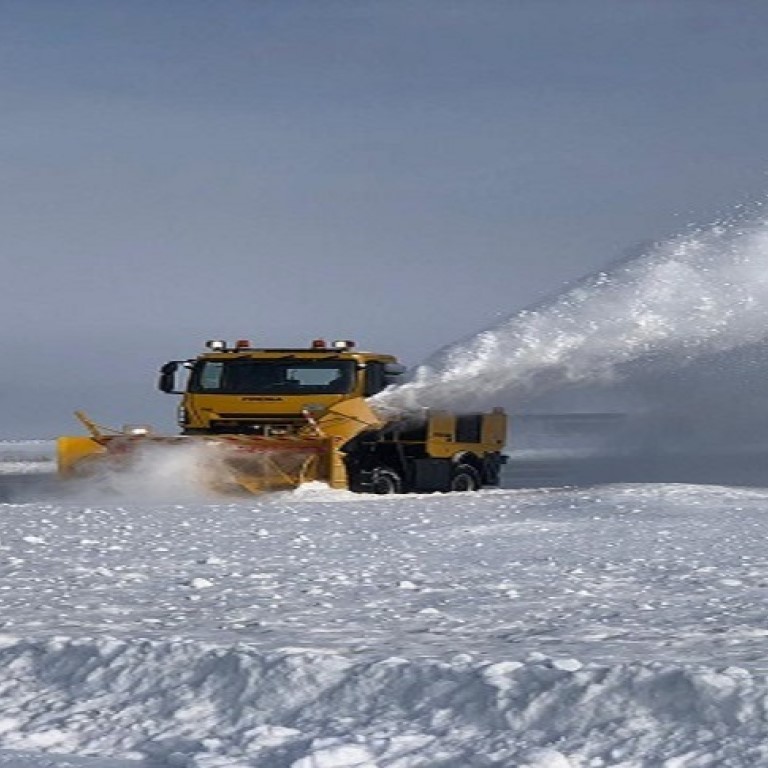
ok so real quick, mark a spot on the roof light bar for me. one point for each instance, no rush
(216, 345)
(343, 344)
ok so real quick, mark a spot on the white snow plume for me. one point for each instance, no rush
(699, 293)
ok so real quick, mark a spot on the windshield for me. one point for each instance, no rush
(273, 377)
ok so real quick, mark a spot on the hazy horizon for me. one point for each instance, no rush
(401, 174)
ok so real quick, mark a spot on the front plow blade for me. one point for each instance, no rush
(250, 464)
(227, 464)
(259, 465)
(75, 453)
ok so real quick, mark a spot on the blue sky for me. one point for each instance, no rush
(402, 173)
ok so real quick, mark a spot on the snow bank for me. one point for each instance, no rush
(179, 703)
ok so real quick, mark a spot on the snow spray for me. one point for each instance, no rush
(155, 471)
(699, 293)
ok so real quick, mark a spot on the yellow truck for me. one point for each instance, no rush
(274, 418)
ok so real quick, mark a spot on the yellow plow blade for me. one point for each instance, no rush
(224, 464)
(75, 453)
(259, 465)
(229, 463)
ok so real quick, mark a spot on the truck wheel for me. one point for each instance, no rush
(465, 478)
(386, 481)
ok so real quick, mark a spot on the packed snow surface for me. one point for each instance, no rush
(614, 626)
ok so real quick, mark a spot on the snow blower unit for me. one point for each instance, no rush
(272, 419)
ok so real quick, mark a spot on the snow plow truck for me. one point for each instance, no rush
(273, 419)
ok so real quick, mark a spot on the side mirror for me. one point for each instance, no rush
(167, 381)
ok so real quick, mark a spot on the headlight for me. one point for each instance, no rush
(136, 429)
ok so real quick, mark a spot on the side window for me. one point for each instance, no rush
(374, 379)
(469, 429)
(210, 376)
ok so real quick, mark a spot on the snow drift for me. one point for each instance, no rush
(176, 703)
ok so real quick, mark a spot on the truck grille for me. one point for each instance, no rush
(276, 425)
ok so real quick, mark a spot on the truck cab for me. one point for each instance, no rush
(240, 389)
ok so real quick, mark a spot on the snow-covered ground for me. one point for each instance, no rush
(617, 626)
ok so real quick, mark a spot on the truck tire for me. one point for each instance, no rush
(386, 481)
(465, 478)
